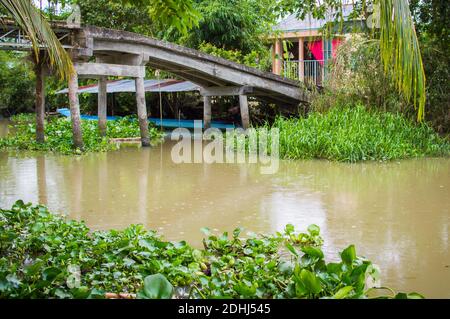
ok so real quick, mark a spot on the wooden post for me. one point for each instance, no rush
(75, 111)
(142, 111)
(40, 102)
(278, 57)
(243, 103)
(102, 100)
(301, 58)
(206, 112)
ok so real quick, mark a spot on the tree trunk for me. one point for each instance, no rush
(40, 102)
(75, 111)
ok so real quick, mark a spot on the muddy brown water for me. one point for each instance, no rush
(397, 213)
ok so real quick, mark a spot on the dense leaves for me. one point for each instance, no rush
(38, 30)
(257, 59)
(58, 134)
(156, 287)
(399, 46)
(352, 133)
(44, 256)
(16, 84)
(233, 24)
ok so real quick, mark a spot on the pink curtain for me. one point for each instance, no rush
(316, 48)
(336, 43)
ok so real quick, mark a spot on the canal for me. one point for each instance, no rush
(396, 213)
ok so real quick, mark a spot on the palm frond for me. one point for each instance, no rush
(34, 24)
(400, 52)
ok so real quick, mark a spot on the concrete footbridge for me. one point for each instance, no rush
(101, 53)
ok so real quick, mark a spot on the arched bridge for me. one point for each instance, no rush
(99, 53)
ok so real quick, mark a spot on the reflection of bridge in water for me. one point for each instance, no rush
(101, 53)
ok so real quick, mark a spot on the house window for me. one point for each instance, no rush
(327, 49)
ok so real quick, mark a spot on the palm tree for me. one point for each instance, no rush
(400, 52)
(34, 24)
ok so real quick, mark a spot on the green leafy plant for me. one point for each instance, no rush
(351, 133)
(156, 287)
(256, 59)
(42, 255)
(58, 134)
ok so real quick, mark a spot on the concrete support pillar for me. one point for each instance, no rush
(301, 58)
(75, 111)
(40, 102)
(206, 112)
(102, 100)
(243, 103)
(278, 56)
(142, 111)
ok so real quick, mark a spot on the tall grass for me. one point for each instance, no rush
(354, 134)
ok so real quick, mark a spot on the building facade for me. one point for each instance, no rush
(300, 51)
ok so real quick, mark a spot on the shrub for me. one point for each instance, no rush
(255, 59)
(16, 84)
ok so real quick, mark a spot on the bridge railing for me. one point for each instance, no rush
(310, 71)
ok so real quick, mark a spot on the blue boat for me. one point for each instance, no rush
(166, 123)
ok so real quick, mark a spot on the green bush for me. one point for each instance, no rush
(256, 59)
(16, 84)
(44, 256)
(357, 75)
(352, 133)
(58, 133)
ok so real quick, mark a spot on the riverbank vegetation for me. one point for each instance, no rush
(58, 132)
(43, 255)
(239, 30)
(351, 133)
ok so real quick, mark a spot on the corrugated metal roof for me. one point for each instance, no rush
(120, 86)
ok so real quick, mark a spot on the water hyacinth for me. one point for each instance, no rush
(58, 133)
(43, 255)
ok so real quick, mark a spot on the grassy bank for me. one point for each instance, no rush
(58, 134)
(352, 134)
(44, 256)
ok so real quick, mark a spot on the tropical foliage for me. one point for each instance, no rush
(16, 84)
(34, 24)
(431, 19)
(58, 134)
(233, 24)
(256, 59)
(399, 46)
(351, 133)
(44, 256)
(116, 15)
(356, 75)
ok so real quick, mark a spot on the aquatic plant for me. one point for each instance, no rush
(42, 255)
(353, 133)
(58, 132)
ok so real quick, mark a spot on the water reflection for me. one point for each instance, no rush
(41, 180)
(396, 213)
